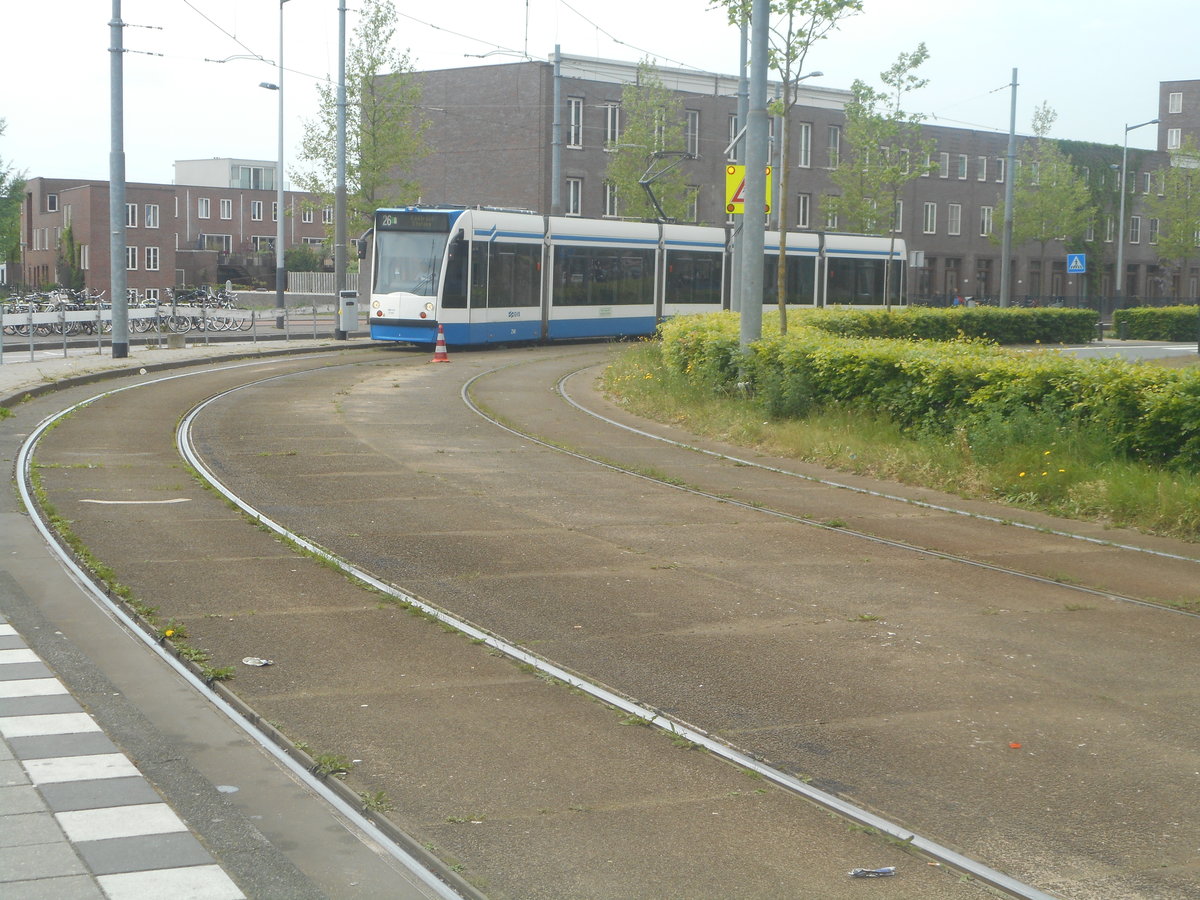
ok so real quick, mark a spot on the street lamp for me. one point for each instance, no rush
(1121, 220)
(280, 269)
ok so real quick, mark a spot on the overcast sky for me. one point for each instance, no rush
(1096, 62)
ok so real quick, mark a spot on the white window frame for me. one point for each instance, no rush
(327, 215)
(256, 210)
(226, 208)
(834, 144)
(1174, 138)
(803, 210)
(150, 219)
(574, 205)
(306, 215)
(131, 215)
(691, 133)
(1152, 225)
(986, 220)
(612, 206)
(1135, 229)
(612, 126)
(1175, 102)
(151, 259)
(575, 123)
(929, 218)
(898, 217)
(1001, 166)
(804, 139)
(943, 165)
(981, 163)
(963, 166)
(954, 219)
(131, 258)
(203, 208)
(52, 203)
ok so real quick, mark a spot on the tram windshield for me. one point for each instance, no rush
(409, 261)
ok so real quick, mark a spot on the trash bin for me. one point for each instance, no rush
(1123, 330)
(347, 314)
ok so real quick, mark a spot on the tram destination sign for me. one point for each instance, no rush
(414, 221)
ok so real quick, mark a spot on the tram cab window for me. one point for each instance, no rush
(454, 291)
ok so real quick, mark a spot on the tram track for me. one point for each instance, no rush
(672, 716)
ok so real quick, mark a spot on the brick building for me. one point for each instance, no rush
(491, 137)
(182, 234)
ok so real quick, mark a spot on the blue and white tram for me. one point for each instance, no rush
(499, 276)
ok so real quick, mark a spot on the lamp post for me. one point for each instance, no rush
(280, 268)
(1121, 221)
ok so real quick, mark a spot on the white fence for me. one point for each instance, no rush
(318, 282)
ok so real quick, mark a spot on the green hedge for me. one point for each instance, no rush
(1147, 412)
(1012, 325)
(1164, 323)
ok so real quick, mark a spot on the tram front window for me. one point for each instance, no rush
(409, 261)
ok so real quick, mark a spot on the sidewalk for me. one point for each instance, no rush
(78, 818)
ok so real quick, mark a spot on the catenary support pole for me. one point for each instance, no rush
(339, 200)
(1010, 178)
(754, 224)
(116, 190)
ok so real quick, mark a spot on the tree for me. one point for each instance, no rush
(67, 269)
(12, 190)
(1177, 208)
(1051, 200)
(883, 152)
(651, 141)
(384, 132)
(794, 26)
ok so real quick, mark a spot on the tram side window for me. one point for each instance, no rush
(454, 291)
(801, 279)
(588, 276)
(693, 277)
(479, 274)
(514, 275)
(856, 281)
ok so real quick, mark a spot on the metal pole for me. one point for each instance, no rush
(339, 202)
(116, 191)
(1010, 178)
(754, 217)
(739, 154)
(1120, 285)
(280, 269)
(556, 136)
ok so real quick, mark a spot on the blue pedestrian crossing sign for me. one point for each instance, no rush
(1076, 263)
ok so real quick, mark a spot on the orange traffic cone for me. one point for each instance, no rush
(439, 351)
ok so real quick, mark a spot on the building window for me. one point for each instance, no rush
(1135, 229)
(1153, 226)
(1175, 102)
(306, 215)
(803, 210)
(52, 203)
(131, 210)
(1173, 138)
(943, 165)
(962, 166)
(151, 259)
(574, 197)
(226, 209)
(203, 208)
(1110, 230)
(254, 178)
(985, 221)
(222, 243)
(930, 219)
(981, 168)
(691, 133)
(327, 216)
(1000, 164)
(152, 294)
(83, 256)
(610, 199)
(612, 125)
(1090, 233)
(262, 243)
(835, 142)
(831, 221)
(693, 205)
(954, 218)
(575, 122)
(151, 215)
(131, 258)
(274, 211)
(255, 210)
(804, 139)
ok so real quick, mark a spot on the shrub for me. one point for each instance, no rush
(1163, 323)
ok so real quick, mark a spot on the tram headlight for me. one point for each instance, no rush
(428, 307)
(374, 304)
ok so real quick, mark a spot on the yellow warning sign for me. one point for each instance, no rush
(735, 189)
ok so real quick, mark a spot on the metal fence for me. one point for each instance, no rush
(318, 282)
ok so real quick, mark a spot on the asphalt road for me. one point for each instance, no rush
(895, 679)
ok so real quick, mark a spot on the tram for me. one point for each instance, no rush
(490, 275)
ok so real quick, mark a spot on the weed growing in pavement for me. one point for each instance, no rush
(867, 617)
(376, 802)
(335, 764)
(212, 674)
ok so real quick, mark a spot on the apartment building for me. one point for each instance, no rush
(494, 141)
(203, 230)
